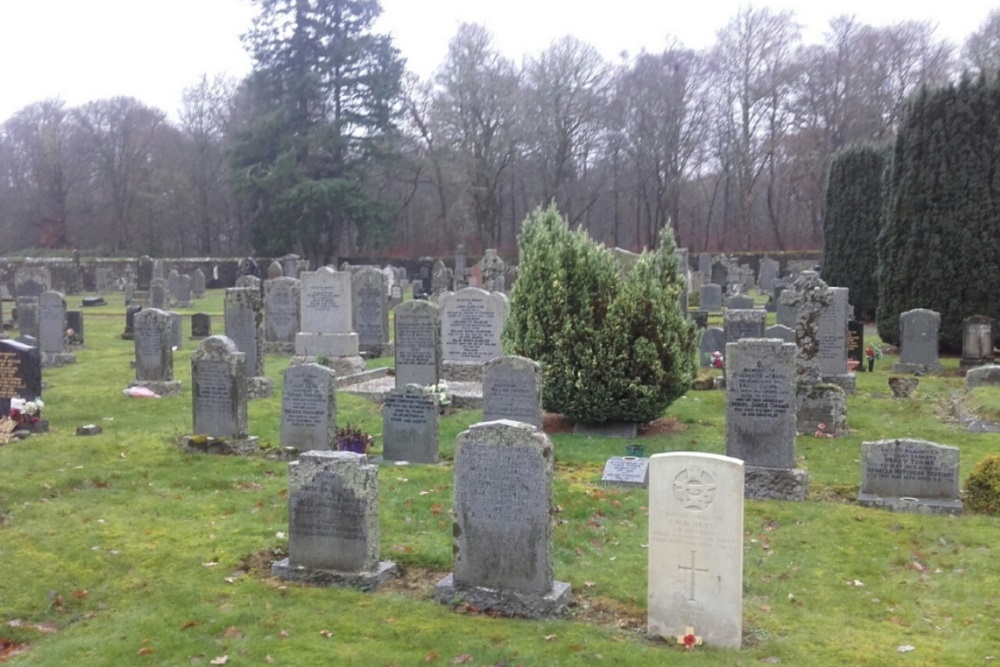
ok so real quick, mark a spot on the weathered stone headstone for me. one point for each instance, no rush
(626, 471)
(20, 373)
(129, 291)
(410, 425)
(102, 279)
(159, 294)
(768, 274)
(159, 271)
(832, 353)
(281, 314)
(173, 284)
(395, 295)
(31, 281)
(274, 270)
(918, 342)
(371, 310)
(182, 294)
(326, 311)
(713, 339)
(740, 302)
(51, 325)
(781, 332)
(719, 273)
(492, 269)
(244, 319)
(786, 314)
(219, 392)
(503, 509)
(760, 417)
(705, 264)
(977, 341)
(981, 376)
(144, 272)
(907, 475)
(201, 325)
(512, 389)
(460, 265)
(424, 278)
(309, 408)
(290, 266)
(856, 343)
(710, 298)
(176, 329)
(441, 278)
(471, 322)
(27, 315)
(333, 529)
(695, 577)
(248, 282)
(198, 284)
(154, 356)
(739, 324)
(417, 343)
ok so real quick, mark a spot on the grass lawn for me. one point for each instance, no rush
(122, 549)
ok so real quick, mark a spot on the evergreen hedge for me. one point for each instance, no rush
(613, 343)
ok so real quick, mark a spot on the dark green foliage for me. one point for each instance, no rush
(938, 243)
(851, 225)
(614, 344)
(324, 92)
(982, 488)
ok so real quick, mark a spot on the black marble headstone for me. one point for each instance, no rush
(20, 373)
(74, 321)
(129, 333)
(201, 325)
(856, 343)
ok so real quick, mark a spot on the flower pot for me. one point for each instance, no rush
(634, 450)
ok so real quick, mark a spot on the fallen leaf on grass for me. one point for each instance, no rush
(905, 648)
(326, 633)
(188, 625)
(221, 660)
(9, 648)
(589, 584)
(431, 656)
(145, 650)
(463, 659)
(232, 632)
(283, 634)
(80, 593)
(549, 638)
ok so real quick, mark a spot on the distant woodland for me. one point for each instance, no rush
(331, 148)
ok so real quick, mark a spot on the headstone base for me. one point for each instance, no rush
(922, 369)
(182, 304)
(260, 387)
(128, 335)
(326, 344)
(775, 483)
(824, 404)
(341, 365)
(462, 371)
(846, 381)
(607, 430)
(276, 347)
(912, 505)
(50, 359)
(163, 388)
(508, 603)
(366, 581)
(222, 446)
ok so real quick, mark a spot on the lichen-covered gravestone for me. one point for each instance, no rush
(309, 408)
(977, 341)
(371, 310)
(739, 324)
(760, 417)
(695, 575)
(832, 354)
(52, 330)
(219, 398)
(281, 314)
(907, 475)
(502, 531)
(27, 315)
(512, 389)
(410, 425)
(244, 318)
(417, 343)
(154, 356)
(333, 531)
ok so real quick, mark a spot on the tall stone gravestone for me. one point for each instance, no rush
(159, 294)
(219, 397)
(719, 273)
(201, 325)
(198, 284)
(290, 266)
(760, 417)
(244, 318)
(781, 332)
(977, 341)
(327, 311)
(31, 281)
(417, 343)
(705, 265)
(154, 356)
(503, 508)
(713, 339)
(176, 329)
(918, 342)
(512, 389)
(371, 310)
(333, 529)
(27, 316)
(159, 271)
(410, 425)
(695, 573)
(907, 475)
(459, 276)
(441, 277)
(130, 313)
(425, 277)
(144, 272)
(281, 315)
(767, 274)
(492, 269)
(174, 285)
(102, 279)
(52, 330)
(817, 402)
(182, 295)
(20, 373)
(710, 298)
(786, 314)
(832, 353)
(309, 408)
(471, 323)
(739, 324)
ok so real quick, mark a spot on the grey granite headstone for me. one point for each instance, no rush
(281, 311)
(159, 271)
(417, 343)
(198, 284)
(51, 323)
(780, 331)
(512, 389)
(326, 312)
(719, 273)
(144, 271)
(177, 330)
(159, 294)
(244, 316)
(740, 302)
(471, 323)
(626, 471)
(739, 324)
(333, 524)
(768, 274)
(290, 266)
(130, 313)
(173, 284)
(713, 339)
(410, 425)
(918, 342)
(371, 309)
(27, 315)
(102, 279)
(201, 325)
(182, 295)
(154, 356)
(503, 508)
(977, 341)
(832, 354)
(309, 408)
(988, 375)
(710, 298)
(219, 389)
(760, 417)
(907, 475)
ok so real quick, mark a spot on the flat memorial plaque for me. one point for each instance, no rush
(626, 471)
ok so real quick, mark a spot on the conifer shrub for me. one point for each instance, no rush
(613, 343)
(982, 487)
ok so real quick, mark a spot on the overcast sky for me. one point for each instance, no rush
(83, 50)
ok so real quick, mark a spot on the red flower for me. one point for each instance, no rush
(689, 641)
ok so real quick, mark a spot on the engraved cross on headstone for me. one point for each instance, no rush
(693, 570)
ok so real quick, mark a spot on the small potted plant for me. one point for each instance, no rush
(440, 391)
